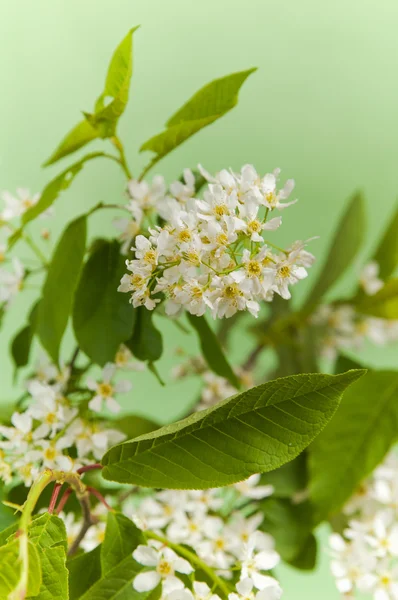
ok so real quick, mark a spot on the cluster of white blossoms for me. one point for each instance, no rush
(51, 425)
(365, 556)
(228, 544)
(343, 327)
(210, 254)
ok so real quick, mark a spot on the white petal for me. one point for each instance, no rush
(145, 555)
(145, 582)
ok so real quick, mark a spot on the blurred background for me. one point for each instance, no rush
(322, 107)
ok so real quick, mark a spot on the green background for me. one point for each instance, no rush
(322, 106)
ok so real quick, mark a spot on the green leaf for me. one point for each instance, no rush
(212, 351)
(59, 288)
(345, 244)
(253, 432)
(354, 443)
(121, 538)
(84, 571)
(206, 106)
(146, 342)
(103, 318)
(386, 254)
(306, 559)
(383, 304)
(291, 526)
(79, 136)
(133, 426)
(117, 583)
(345, 363)
(10, 570)
(113, 100)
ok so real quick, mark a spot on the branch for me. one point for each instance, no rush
(88, 520)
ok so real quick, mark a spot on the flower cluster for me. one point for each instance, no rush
(210, 254)
(365, 556)
(343, 327)
(196, 519)
(51, 425)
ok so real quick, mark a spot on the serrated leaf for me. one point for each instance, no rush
(121, 538)
(206, 106)
(345, 244)
(113, 100)
(386, 254)
(383, 304)
(117, 583)
(59, 288)
(146, 342)
(253, 432)
(10, 570)
(79, 136)
(84, 571)
(102, 316)
(212, 351)
(354, 443)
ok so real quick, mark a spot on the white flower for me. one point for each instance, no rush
(164, 562)
(52, 414)
(383, 538)
(201, 591)
(146, 196)
(215, 389)
(369, 279)
(105, 390)
(94, 537)
(254, 562)
(182, 191)
(272, 591)
(271, 196)
(250, 488)
(15, 206)
(11, 282)
(129, 228)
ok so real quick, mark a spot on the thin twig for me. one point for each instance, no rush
(63, 500)
(89, 468)
(99, 497)
(88, 520)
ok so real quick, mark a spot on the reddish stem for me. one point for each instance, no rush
(99, 497)
(54, 497)
(64, 500)
(89, 468)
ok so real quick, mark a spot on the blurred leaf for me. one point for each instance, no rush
(306, 559)
(206, 106)
(79, 136)
(345, 244)
(253, 432)
(355, 441)
(212, 351)
(386, 253)
(291, 526)
(84, 571)
(21, 344)
(146, 342)
(288, 479)
(133, 426)
(102, 316)
(383, 304)
(346, 363)
(59, 288)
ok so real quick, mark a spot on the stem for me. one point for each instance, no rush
(99, 497)
(63, 500)
(89, 468)
(148, 167)
(54, 497)
(74, 357)
(88, 521)
(123, 162)
(192, 558)
(35, 249)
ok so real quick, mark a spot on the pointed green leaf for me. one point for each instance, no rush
(113, 100)
(356, 440)
(383, 304)
(206, 106)
(117, 583)
(103, 318)
(59, 288)
(253, 432)
(146, 342)
(121, 538)
(343, 248)
(386, 254)
(133, 425)
(212, 351)
(79, 136)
